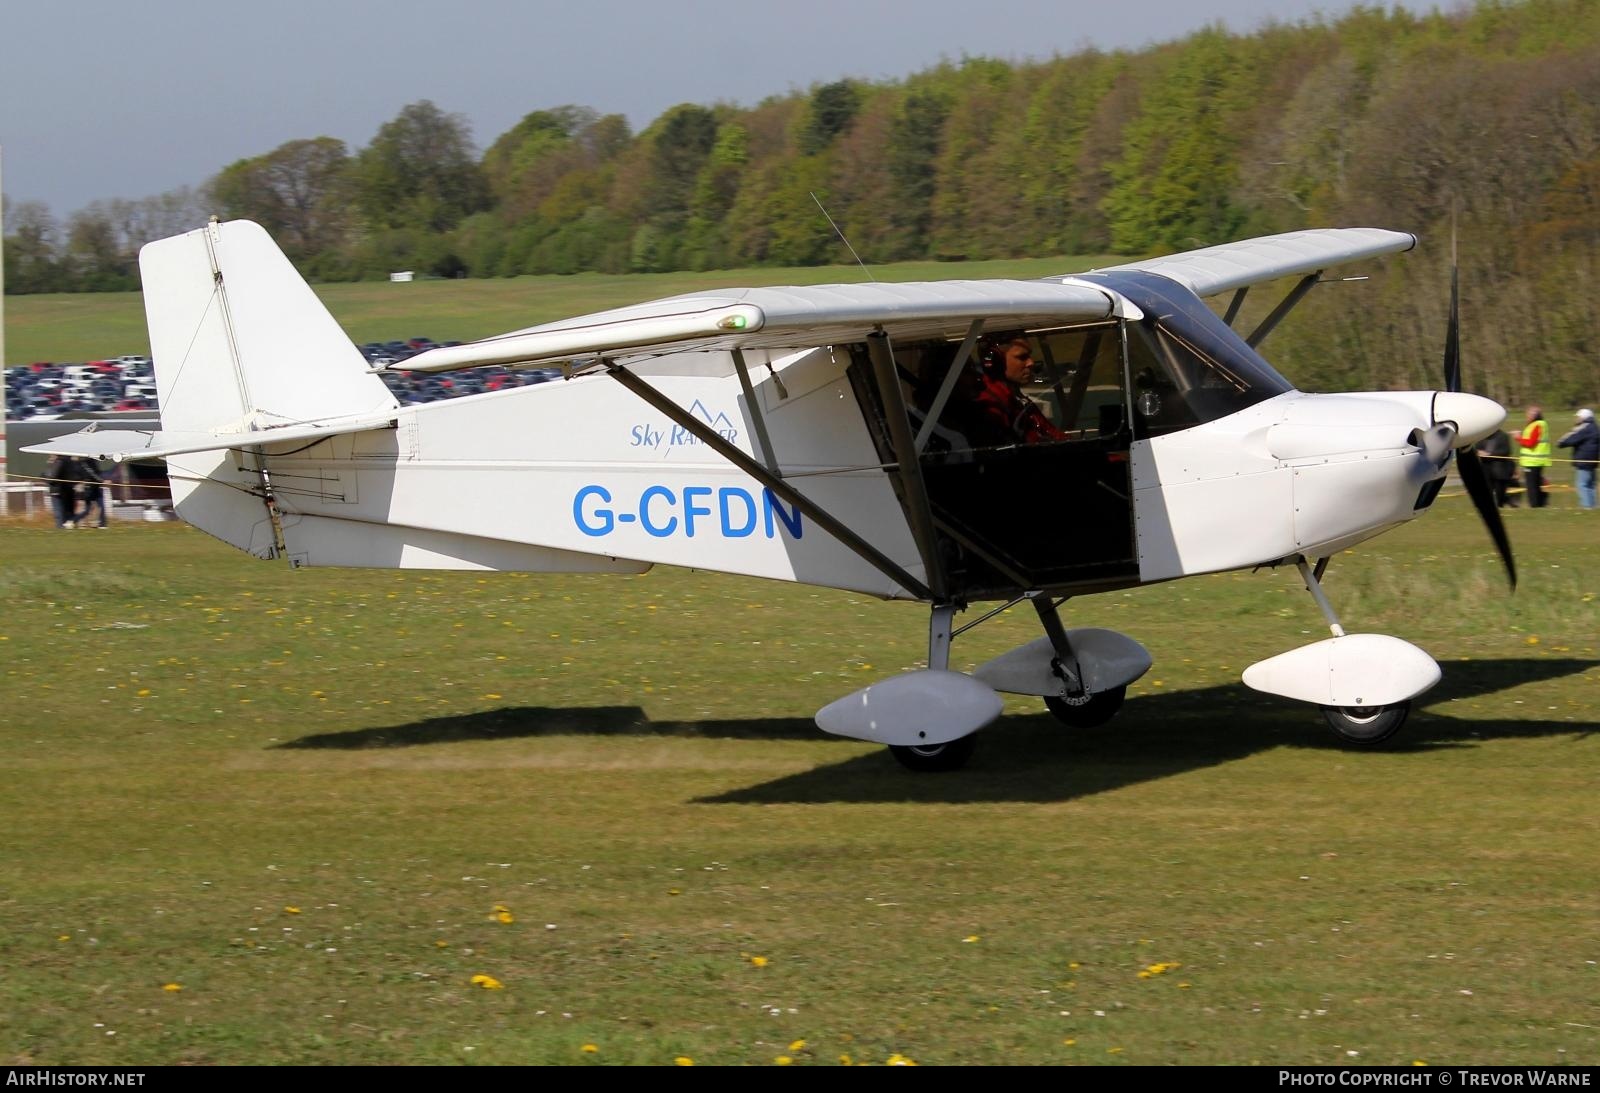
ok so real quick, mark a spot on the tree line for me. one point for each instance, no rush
(1487, 117)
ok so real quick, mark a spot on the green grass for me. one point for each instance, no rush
(192, 743)
(89, 326)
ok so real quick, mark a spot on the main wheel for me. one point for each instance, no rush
(924, 758)
(1366, 724)
(1096, 709)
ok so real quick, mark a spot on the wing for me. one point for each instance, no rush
(1233, 266)
(782, 318)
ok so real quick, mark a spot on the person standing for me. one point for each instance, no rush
(1498, 466)
(92, 486)
(1584, 440)
(1534, 456)
(62, 477)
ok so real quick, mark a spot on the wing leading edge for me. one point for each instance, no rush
(1232, 266)
(782, 318)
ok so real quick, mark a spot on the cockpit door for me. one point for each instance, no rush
(1027, 507)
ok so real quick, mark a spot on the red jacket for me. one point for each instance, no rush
(1008, 416)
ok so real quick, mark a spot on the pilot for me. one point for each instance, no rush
(999, 413)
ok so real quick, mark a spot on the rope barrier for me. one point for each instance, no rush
(14, 477)
(1553, 458)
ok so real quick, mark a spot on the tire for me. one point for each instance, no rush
(935, 757)
(1366, 725)
(1096, 710)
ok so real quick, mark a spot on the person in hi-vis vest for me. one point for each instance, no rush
(1534, 456)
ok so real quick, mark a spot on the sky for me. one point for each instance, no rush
(116, 99)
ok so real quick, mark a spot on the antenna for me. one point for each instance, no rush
(842, 239)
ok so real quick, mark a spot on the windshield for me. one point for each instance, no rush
(1186, 366)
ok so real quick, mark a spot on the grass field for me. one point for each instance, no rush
(89, 326)
(254, 815)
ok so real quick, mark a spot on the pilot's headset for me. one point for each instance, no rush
(992, 352)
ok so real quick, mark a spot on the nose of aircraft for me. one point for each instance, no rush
(1475, 416)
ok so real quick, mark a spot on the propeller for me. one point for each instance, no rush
(1474, 476)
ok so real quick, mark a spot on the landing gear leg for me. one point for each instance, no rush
(1361, 725)
(954, 754)
(1075, 706)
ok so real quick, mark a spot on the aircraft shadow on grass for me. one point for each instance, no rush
(1029, 758)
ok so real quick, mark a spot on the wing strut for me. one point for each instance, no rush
(767, 453)
(820, 516)
(949, 384)
(1296, 294)
(1234, 305)
(919, 514)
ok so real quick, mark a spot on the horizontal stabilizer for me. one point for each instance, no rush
(119, 445)
(1232, 266)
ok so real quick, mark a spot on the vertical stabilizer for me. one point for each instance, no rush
(241, 343)
(239, 338)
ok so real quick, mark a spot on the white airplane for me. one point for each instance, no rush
(827, 435)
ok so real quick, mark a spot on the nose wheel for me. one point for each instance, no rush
(1366, 725)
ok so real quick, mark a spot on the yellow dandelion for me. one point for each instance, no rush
(504, 917)
(487, 982)
(1183, 986)
(674, 891)
(798, 1046)
(969, 939)
(1074, 965)
(64, 937)
(1113, 1051)
(783, 1060)
(172, 988)
(683, 1060)
(1070, 1043)
(1419, 1062)
(759, 961)
(845, 1060)
(441, 944)
(144, 692)
(898, 1059)
(291, 910)
(1533, 639)
(590, 1049)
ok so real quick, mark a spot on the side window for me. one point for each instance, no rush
(1081, 385)
(1076, 384)
(1161, 371)
(1176, 385)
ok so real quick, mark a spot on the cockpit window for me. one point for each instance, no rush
(1185, 365)
(1070, 390)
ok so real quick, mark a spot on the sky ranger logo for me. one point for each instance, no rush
(656, 437)
(730, 511)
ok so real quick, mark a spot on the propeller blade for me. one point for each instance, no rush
(1452, 337)
(1476, 479)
